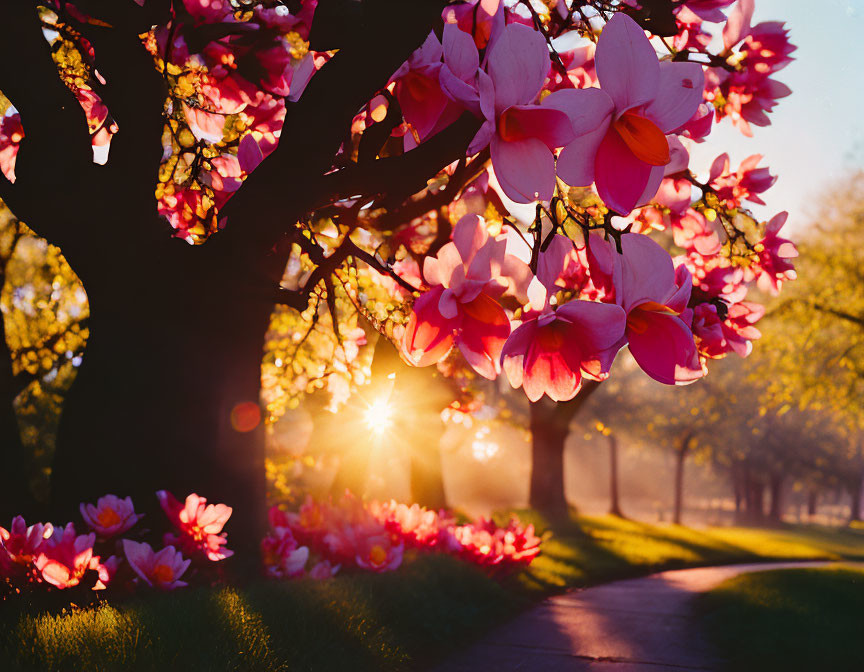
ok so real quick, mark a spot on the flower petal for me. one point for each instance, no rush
(678, 96)
(525, 169)
(621, 178)
(518, 64)
(626, 64)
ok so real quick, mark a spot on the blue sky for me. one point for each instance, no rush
(817, 133)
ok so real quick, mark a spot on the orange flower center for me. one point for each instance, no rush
(162, 574)
(644, 138)
(377, 555)
(108, 517)
(418, 86)
(510, 126)
(637, 319)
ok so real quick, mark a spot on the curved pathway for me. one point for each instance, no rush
(635, 625)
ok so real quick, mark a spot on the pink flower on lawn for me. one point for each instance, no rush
(323, 570)
(161, 569)
(523, 135)
(282, 555)
(65, 557)
(22, 543)
(621, 128)
(461, 307)
(654, 295)
(554, 348)
(377, 553)
(110, 515)
(199, 524)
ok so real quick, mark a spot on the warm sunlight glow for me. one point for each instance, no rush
(379, 416)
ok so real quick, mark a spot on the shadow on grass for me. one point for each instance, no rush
(790, 620)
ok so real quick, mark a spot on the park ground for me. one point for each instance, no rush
(415, 617)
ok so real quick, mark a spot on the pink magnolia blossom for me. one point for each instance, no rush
(775, 266)
(481, 19)
(199, 525)
(21, 543)
(690, 33)
(110, 515)
(555, 347)
(654, 295)
(708, 10)
(65, 557)
(716, 337)
(767, 49)
(460, 308)
(424, 104)
(744, 184)
(523, 135)
(11, 135)
(621, 128)
(693, 232)
(161, 569)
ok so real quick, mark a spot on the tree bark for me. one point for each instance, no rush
(775, 513)
(681, 451)
(614, 502)
(856, 492)
(169, 403)
(550, 425)
(812, 502)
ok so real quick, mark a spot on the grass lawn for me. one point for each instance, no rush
(789, 620)
(393, 621)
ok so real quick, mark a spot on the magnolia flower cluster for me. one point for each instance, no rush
(553, 312)
(109, 555)
(324, 537)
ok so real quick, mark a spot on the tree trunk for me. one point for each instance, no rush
(680, 457)
(550, 425)
(775, 513)
(15, 495)
(754, 499)
(737, 488)
(170, 404)
(855, 493)
(812, 502)
(614, 501)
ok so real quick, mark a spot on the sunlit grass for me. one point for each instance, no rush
(372, 622)
(789, 620)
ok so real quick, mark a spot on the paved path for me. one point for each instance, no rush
(637, 625)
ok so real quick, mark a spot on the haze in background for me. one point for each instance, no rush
(817, 134)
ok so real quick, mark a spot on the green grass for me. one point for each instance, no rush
(393, 621)
(789, 620)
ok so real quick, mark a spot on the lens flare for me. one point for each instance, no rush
(379, 416)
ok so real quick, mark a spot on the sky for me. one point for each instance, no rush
(817, 134)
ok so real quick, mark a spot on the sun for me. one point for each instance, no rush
(379, 416)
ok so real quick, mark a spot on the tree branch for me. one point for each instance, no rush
(135, 91)
(56, 143)
(279, 190)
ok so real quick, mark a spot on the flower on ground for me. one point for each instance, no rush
(161, 569)
(110, 515)
(199, 525)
